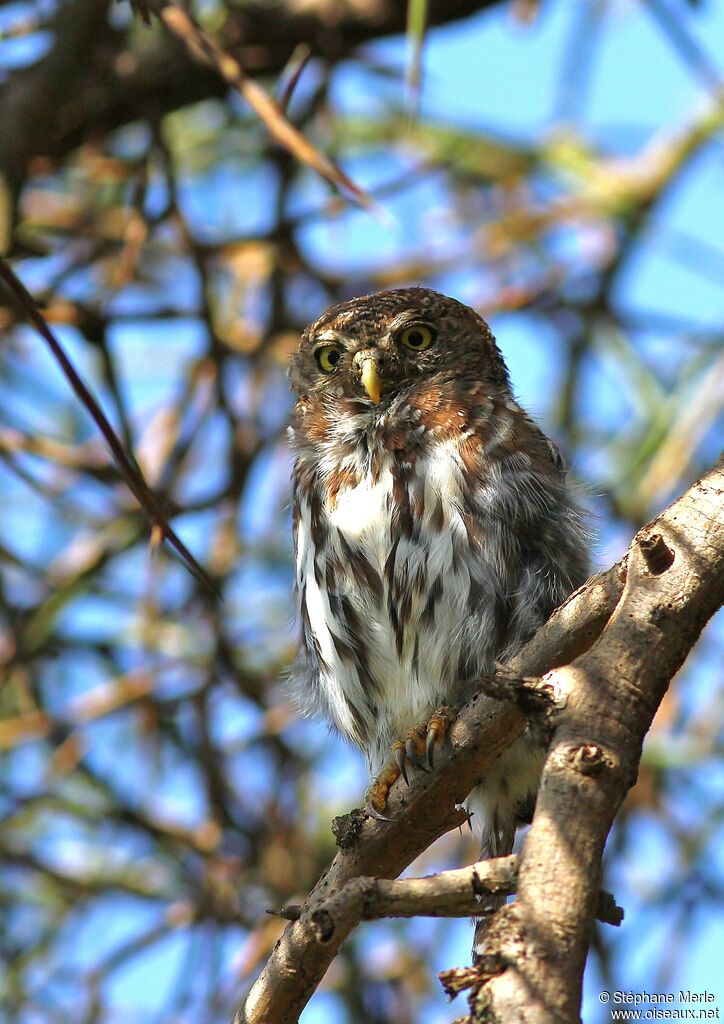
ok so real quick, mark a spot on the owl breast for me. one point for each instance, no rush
(399, 591)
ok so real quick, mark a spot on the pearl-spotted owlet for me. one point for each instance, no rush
(434, 531)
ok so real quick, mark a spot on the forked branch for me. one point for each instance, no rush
(609, 651)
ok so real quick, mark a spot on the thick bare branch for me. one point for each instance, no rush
(422, 813)
(485, 727)
(675, 583)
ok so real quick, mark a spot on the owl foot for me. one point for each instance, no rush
(441, 720)
(379, 790)
(417, 748)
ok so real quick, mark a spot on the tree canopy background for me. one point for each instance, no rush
(564, 176)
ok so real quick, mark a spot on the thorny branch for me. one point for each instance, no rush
(613, 619)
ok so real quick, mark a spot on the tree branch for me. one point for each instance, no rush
(201, 46)
(587, 752)
(126, 464)
(674, 584)
(109, 81)
(447, 894)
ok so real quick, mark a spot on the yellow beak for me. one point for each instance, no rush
(371, 381)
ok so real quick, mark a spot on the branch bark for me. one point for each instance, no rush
(614, 645)
(447, 894)
(453, 893)
(674, 584)
(96, 79)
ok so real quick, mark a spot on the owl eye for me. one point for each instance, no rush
(418, 338)
(328, 356)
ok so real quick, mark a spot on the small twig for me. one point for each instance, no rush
(417, 16)
(447, 894)
(291, 912)
(295, 66)
(202, 46)
(683, 39)
(127, 466)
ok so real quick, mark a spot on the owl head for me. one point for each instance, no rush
(377, 346)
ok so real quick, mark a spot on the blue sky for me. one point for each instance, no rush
(494, 74)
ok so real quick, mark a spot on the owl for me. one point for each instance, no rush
(434, 531)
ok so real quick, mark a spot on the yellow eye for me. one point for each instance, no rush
(418, 338)
(328, 356)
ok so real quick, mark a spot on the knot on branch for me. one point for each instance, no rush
(530, 694)
(588, 759)
(584, 758)
(458, 979)
(346, 827)
(323, 924)
(607, 910)
(657, 555)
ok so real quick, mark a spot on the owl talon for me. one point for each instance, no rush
(417, 748)
(399, 753)
(412, 747)
(430, 741)
(372, 812)
(438, 725)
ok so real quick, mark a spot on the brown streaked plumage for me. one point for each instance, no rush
(434, 527)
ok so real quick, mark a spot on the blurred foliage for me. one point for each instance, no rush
(157, 791)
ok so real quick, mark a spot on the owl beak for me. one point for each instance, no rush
(371, 380)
